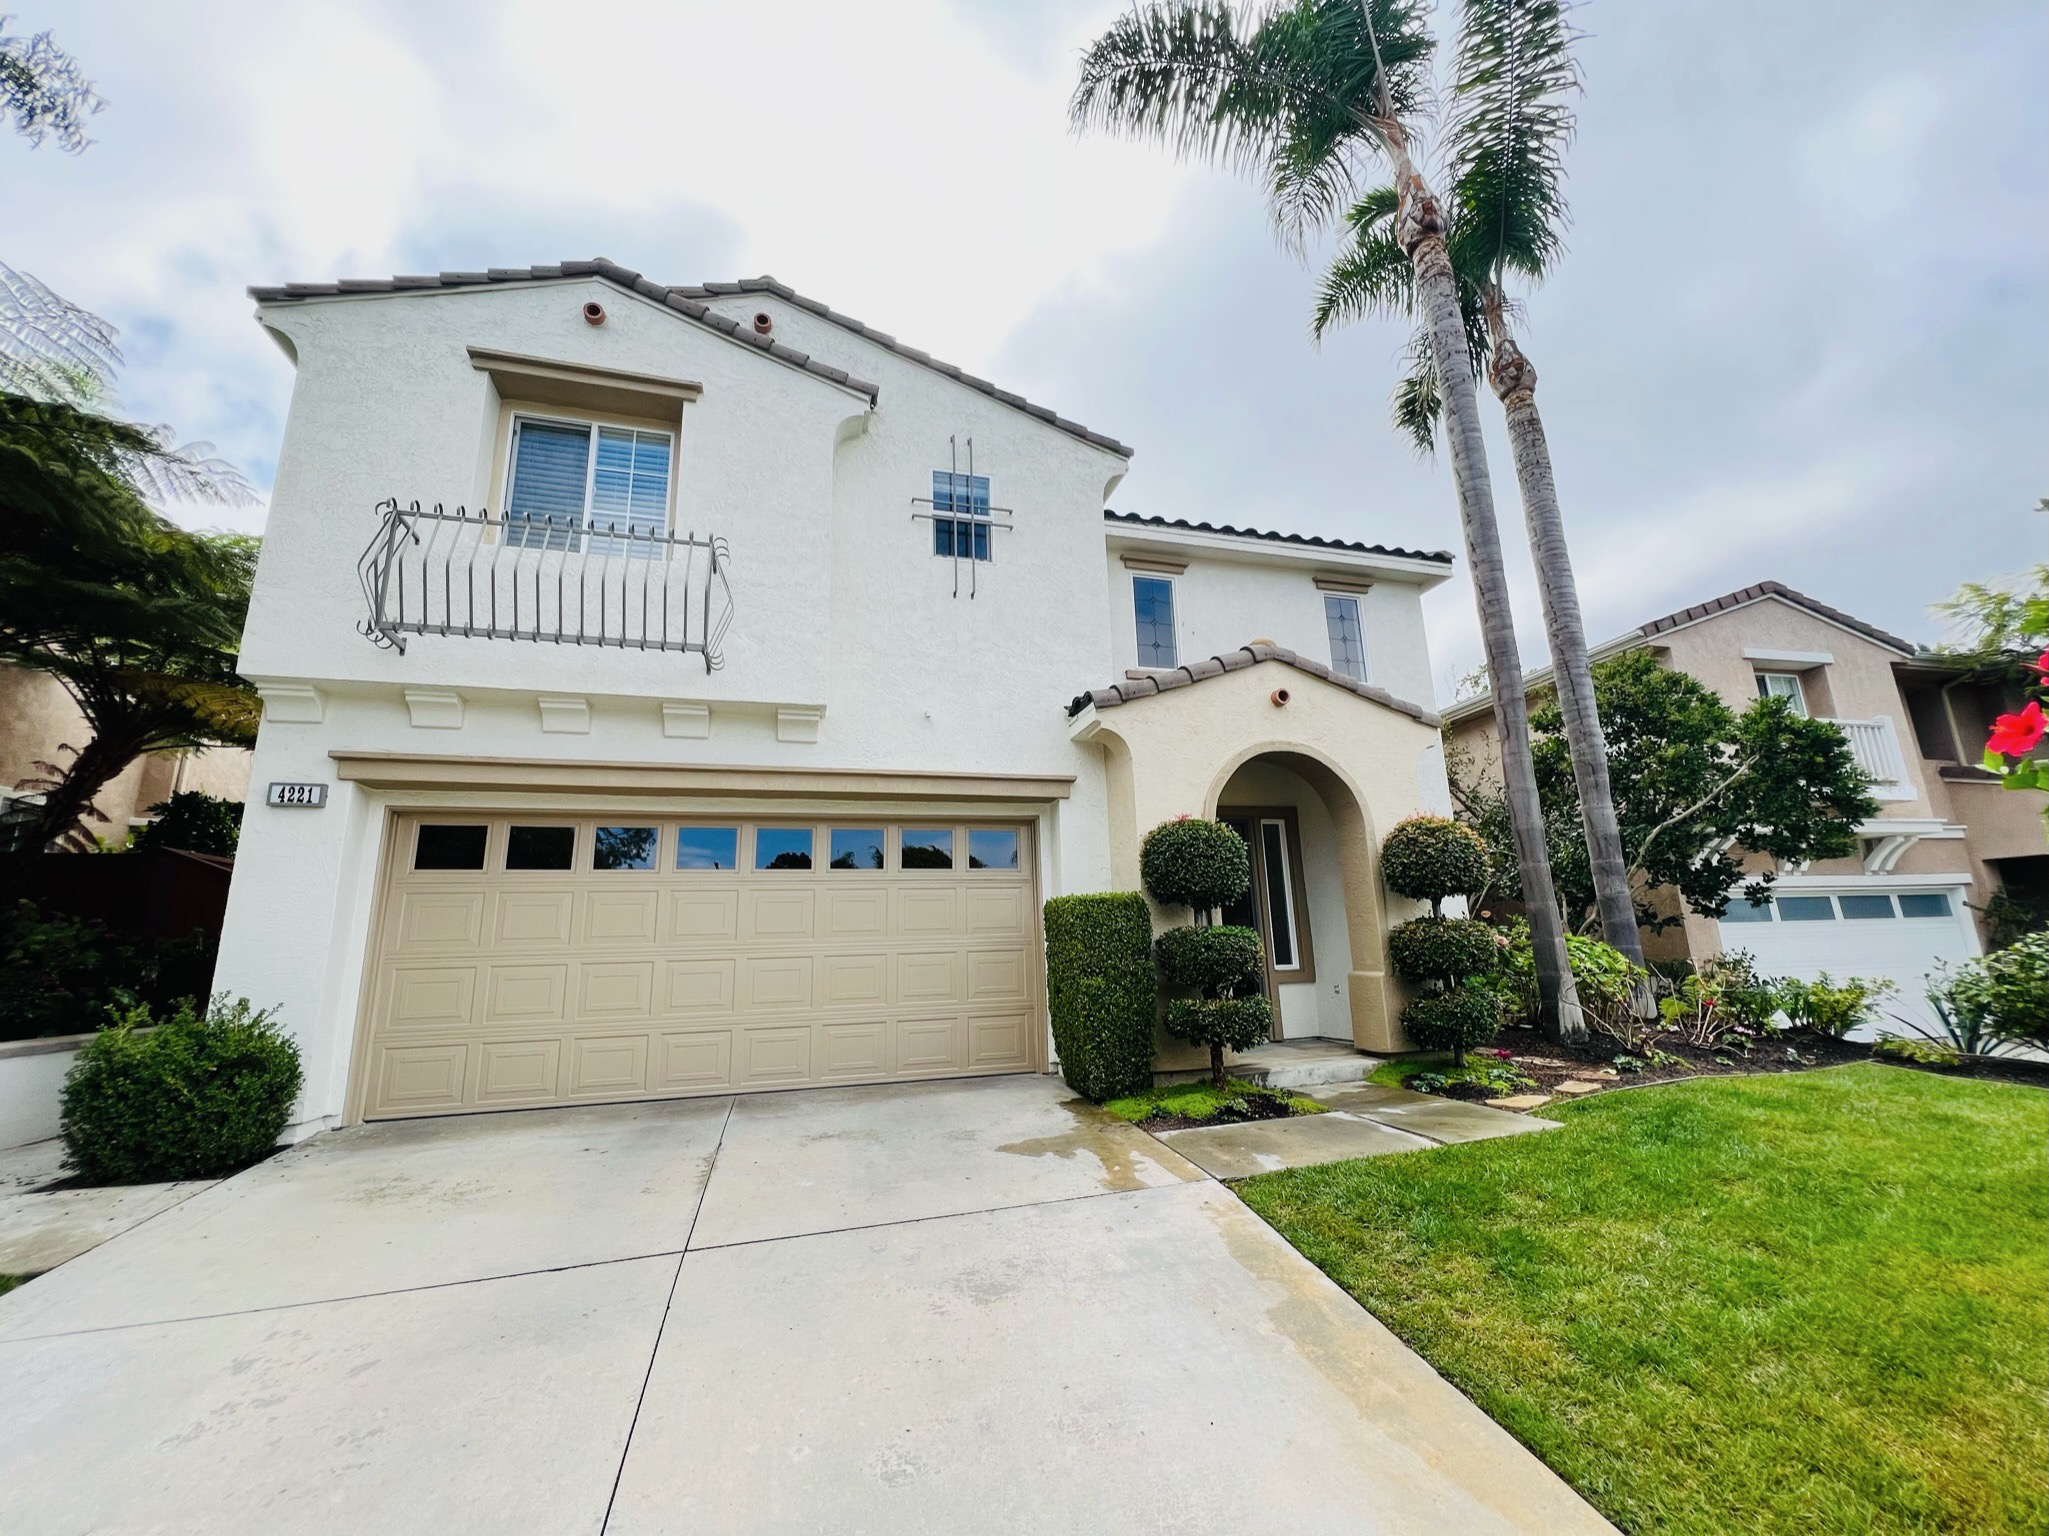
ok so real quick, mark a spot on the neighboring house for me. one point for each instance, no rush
(39, 723)
(738, 745)
(1946, 836)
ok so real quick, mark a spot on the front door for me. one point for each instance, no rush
(1275, 904)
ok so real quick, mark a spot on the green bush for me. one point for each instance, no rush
(197, 1097)
(1189, 862)
(1429, 858)
(1831, 1007)
(1223, 1024)
(1443, 949)
(1101, 993)
(1218, 962)
(1455, 1019)
(194, 821)
(1924, 1051)
(1603, 975)
(2017, 989)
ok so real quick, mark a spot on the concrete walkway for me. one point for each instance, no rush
(951, 1307)
(1365, 1120)
(42, 1227)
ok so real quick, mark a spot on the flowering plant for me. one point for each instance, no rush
(2009, 751)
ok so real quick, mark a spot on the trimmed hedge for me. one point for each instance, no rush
(1219, 962)
(1190, 862)
(1443, 949)
(1428, 858)
(1222, 1024)
(196, 1098)
(1455, 1020)
(1101, 993)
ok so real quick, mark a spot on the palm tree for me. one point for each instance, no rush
(1504, 144)
(1306, 95)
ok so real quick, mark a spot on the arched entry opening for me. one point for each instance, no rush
(1316, 893)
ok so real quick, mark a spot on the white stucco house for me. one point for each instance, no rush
(737, 744)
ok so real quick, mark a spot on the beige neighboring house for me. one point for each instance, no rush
(1946, 836)
(38, 721)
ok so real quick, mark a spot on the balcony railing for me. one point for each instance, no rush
(1876, 747)
(484, 577)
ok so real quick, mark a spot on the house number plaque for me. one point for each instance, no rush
(302, 796)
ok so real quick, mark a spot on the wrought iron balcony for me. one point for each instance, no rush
(486, 577)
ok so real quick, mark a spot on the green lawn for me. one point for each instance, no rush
(1813, 1302)
(1196, 1101)
(9, 1282)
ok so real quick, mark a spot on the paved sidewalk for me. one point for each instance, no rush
(1365, 1120)
(42, 1227)
(974, 1306)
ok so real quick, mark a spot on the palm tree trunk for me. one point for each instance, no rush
(59, 822)
(1515, 381)
(1421, 231)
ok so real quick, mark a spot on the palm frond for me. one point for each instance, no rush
(50, 348)
(43, 89)
(1417, 404)
(1372, 276)
(1508, 130)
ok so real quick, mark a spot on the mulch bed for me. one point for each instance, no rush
(1552, 1064)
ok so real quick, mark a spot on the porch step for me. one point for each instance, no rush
(1291, 1064)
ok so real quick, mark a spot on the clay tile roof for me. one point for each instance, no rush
(689, 300)
(1778, 589)
(1140, 685)
(1309, 541)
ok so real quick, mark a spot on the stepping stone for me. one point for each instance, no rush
(1522, 1101)
(1577, 1087)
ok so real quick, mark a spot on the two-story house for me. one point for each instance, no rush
(686, 690)
(1942, 841)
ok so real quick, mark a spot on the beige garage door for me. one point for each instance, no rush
(535, 959)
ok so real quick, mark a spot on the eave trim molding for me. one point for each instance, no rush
(411, 770)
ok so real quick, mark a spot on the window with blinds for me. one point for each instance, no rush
(583, 486)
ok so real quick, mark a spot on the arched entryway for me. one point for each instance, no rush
(1315, 895)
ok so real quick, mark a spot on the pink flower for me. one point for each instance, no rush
(2017, 735)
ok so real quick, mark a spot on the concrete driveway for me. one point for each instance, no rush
(944, 1308)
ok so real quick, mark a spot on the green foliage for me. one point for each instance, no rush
(59, 975)
(196, 1097)
(1222, 1024)
(1189, 862)
(44, 90)
(1831, 1007)
(1603, 974)
(1691, 1302)
(1490, 1070)
(1429, 858)
(195, 821)
(1455, 1019)
(1696, 787)
(1236, 1100)
(1222, 961)
(1997, 999)
(1444, 949)
(1923, 1052)
(1100, 992)
(2011, 915)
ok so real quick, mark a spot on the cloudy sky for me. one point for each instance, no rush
(1798, 334)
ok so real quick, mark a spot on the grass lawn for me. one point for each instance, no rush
(9, 1282)
(1196, 1101)
(1813, 1302)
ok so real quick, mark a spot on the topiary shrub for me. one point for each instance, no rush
(1443, 949)
(197, 1097)
(1222, 1024)
(1454, 1019)
(1189, 862)
(1101, 993)
(1428, 858)
(1218, 962)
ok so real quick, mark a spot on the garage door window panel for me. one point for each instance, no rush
(708, 848)
(782, 848)
(1865, 907)
(1806, 909)
(441, 845)
(1741, 910)
(857, 847)
(993, 848)
(624, 848)
(927, 848)
(1925, 904)
(540, 848)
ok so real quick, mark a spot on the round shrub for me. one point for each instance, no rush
(1443, 949)
(1194, 863)
(1223, 1024)
(197, 1097)
(1455, 1020)
(2017, 989)
(1218, 962)
(1428, 858)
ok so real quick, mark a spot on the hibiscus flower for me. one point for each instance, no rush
(2018, 735)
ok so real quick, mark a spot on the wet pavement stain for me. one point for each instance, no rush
(1122, 1149)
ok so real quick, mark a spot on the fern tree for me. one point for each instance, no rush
(1317, 99)
(1504, 146)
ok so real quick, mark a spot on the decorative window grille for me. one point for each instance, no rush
(1347, 638)
(1152, 599)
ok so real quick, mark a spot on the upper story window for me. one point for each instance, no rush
(1783, 685)
(579, 484)
(960, 515)
(1347, 637)
(1152, 599)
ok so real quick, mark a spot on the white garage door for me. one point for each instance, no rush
(537, 959)
(1898, 935)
